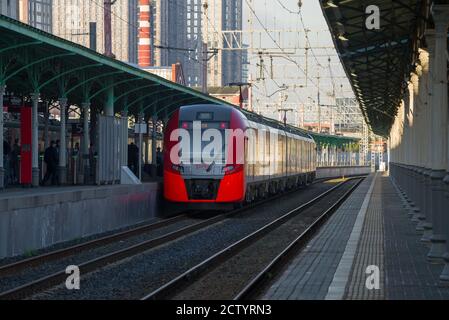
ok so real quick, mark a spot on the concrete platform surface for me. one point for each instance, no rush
(368, 249)
(32, 219)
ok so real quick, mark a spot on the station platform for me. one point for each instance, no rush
(36, 218)
(369, 238)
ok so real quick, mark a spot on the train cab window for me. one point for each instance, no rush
(205, 116)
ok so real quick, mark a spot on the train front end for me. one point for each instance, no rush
(201, 166)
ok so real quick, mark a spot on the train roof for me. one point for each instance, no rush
(264, 120)
(319, 138)
(275, 124)
(322, 139)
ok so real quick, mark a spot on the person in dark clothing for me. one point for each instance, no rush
(6, 147)
(58, 152)
(6, 161)
(15, 154)
(133, 157)
(159, 162)
(92, 162)
(51, 160)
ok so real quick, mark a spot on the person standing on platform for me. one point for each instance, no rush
(6, 162)
(58, 150)
(92, 161)
(51, 160)
(15, 154)
(133, 157)
(159, 162)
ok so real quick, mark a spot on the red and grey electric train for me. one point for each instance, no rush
(236, 180)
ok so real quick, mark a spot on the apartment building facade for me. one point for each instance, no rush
(218, 16)
(71, 20)
(36, 13)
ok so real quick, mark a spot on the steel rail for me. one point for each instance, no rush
(172, 286)
(57, 278)
(273, 268)
(14, 267)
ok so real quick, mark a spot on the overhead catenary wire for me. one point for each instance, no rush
(309, 46)
(277, 44)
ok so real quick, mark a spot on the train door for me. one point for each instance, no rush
(250, 151)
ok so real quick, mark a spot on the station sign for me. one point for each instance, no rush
(140, 128)
(77, 128)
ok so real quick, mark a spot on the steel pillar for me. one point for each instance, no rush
(35, 139)
(2, 169)
(86, 142)
(109, 107)
(141, 121)
(46, 124)
(62, 167)
(153, 147)
(441, 19)
(428, 225)
(439, 133)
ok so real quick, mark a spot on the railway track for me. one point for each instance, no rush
(17, 266)
(55, 278)
(239, 270)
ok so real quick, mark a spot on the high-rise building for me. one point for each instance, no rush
(36, 13)
(192, 69)
(175, 28)
(222, 15)
(72, 18)
(9, 8)
(178, 29)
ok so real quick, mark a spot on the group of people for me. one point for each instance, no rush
(11, 162)
(51, 159)
(133, 159)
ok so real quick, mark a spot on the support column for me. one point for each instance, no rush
(420, 133)
(409, 144)
(414, 134)
(439, 133)
(46, 124)
(35, 139)
(147, 144)
(124, 157)
(441, 18)
(153, 147)
(2, 169)
(428, 224)
(109, 107)
(62, 168)
(140, 145)
(86, 142)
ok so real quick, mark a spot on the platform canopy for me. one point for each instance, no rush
(377, 62)
(33, 61)
(336, 141)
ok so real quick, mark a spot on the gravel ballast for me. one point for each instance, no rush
(135, 277)
(225, 281)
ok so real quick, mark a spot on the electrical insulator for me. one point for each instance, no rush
(299, 4)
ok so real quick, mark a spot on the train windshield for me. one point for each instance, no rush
(207, 142)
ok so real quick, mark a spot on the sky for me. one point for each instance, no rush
(274, 16)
